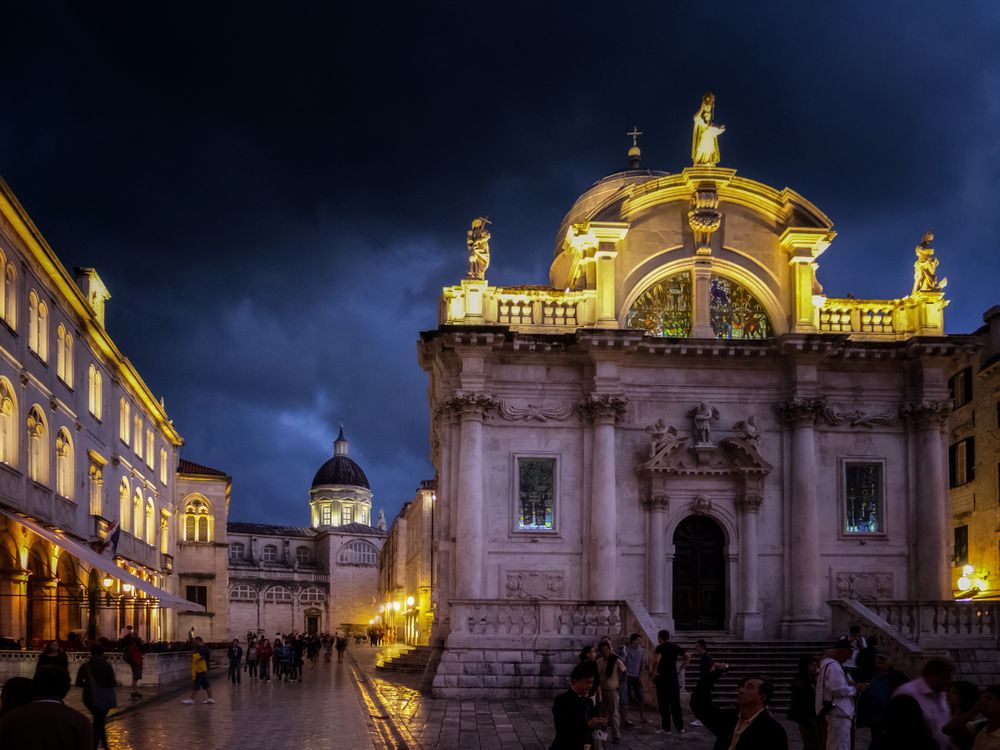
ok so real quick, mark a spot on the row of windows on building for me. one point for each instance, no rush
(863, 505)
(354, 552)
(309, 596)
(346, 515)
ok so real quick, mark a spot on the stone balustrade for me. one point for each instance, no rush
(940, 623)
(163, 668)
(882, 319)
(525, 308)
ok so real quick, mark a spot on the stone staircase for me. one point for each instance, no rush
(776, 660)
(408, 659)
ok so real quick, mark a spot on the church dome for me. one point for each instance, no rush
(341, 469)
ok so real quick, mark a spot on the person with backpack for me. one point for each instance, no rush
(132, 655)
(97, 678)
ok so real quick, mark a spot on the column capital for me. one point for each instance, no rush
(656, 501)
(603, 408)
(926, 413)
(750, 502)
(468, 405)
(800, 411)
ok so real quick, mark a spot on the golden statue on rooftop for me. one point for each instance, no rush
(478, 241)
(705, 141)
(925, 268)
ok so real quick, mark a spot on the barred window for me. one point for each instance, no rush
(536, 491)
(864, 492)
(358, 552)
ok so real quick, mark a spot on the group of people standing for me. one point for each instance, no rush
(283, 658)
(854, 684)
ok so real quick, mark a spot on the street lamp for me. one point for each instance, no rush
(395, 606)
(409, 601)
(127, 588)
(108, 580)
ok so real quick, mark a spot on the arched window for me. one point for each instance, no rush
(665, 308)
(33, 321)
(10, 296)
(164, 532)
(312, 595)
(64, 464)
(138, 513)
(124, 415)
(38, 446)
(95, 487)
(269, 553)
(302, 555)
(358, 552)
(197, 517)
(8, 423)
(150, 522)
(43, 332)
(163, 465)
(150, 449)
(137, 436)
(64, 355)
(243, 593)
(95, 392)
(278, 594)
(237, 551)
(124, 505)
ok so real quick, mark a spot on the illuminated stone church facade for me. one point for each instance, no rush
(682, 419)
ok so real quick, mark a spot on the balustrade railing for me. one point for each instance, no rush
(870, 317)
(924, 625)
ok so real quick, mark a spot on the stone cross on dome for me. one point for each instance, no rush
(634, 153)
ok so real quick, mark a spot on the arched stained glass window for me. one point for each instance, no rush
(665, 308)
(736, 313)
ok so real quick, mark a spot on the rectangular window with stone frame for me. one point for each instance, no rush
(962, 462)
(535, 482)
(863, 498)
(197, 594)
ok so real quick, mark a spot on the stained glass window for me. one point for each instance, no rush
(736, 313)
(864, 498)
(665, 308)
(536, 478)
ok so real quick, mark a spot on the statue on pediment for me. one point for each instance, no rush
(703, 415)
(663, 437)
(705, 140)
(478, 241)
(748, 431)
(925, 268)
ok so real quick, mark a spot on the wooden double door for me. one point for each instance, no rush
(699, 575)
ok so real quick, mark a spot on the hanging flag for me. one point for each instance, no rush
(111, 538)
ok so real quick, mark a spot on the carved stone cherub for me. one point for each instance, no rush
(703, 416)
(662, 438)
(748, 431)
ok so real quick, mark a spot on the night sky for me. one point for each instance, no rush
(276, 193)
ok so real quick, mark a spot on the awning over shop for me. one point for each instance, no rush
(103, 563)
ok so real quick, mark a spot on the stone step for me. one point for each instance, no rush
(409, 659)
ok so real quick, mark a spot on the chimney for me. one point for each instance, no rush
(94, 290)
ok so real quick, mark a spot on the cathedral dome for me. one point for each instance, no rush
(341, 469)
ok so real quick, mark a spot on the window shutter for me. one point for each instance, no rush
(967, 385)
(951, 465)
(970, 459)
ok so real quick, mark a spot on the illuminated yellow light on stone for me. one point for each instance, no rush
(409, 601)
(964, 583)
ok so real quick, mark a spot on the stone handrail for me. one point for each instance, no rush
(477, 303)
(876, 319)
(538, 617)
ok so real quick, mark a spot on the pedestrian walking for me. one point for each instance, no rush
(668, 660)
(46, 722)
(199, 671)
(251, 662)
(750, 726)
(635, 664)
(612, 671)
(905, 727)
(930, 690)
(97, 678)
(835, 697)
(264, 654)
(15, 693)
(858, 644)
(874, 702)
(573, 712)
(802, 706)
(235, 654)
(132, 655)
(340, 644)
(52, 655)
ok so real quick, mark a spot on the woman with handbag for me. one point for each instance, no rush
(97, 678)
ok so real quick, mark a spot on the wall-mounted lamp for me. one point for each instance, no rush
(127, 588)
(409, 601)
(395, 606)
(108, 580)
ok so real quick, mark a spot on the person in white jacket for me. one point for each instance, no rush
(835, 697)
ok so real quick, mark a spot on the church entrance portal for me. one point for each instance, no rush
(699, 575)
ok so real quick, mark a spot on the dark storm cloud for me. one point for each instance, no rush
(275, 195)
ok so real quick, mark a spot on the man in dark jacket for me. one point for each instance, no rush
(235, 654)
(572, 713)
(749, 724)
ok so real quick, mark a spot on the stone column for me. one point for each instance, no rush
(803, 618)
(469, 532)
(701, 313)
(603, 410)
(749, 622)
(657, 509)
(928, 420)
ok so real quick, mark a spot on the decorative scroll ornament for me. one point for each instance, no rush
(857, 418)
(926, 412)
(748, 431)
(603, 405)
(534, 412)
(478, 241)
(925, 268)
(705, 139)
(704, 217)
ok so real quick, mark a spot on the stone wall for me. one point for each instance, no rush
(158, 669)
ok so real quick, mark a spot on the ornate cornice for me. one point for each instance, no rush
(603, 406)
(926, 413)
(534, 412)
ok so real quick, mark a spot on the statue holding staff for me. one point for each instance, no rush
(705, 140)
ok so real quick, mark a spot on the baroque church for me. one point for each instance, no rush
(268, 579)
(681, 429)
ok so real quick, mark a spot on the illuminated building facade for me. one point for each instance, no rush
(684, 425)
(84, 444)
(974, 465)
